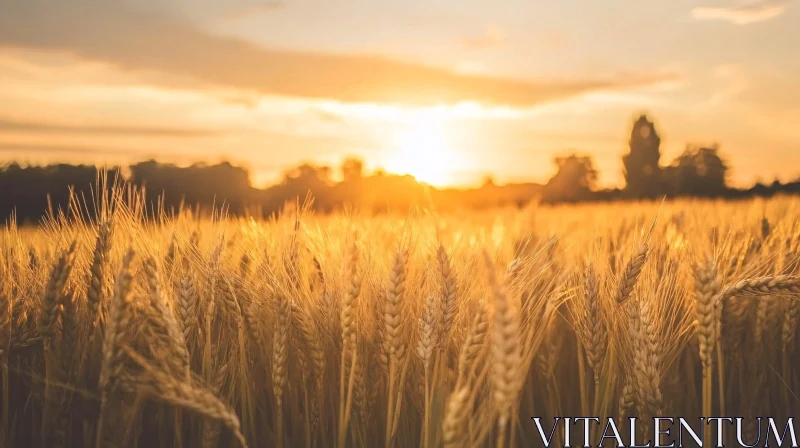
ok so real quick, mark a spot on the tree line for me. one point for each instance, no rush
(30, 192)
(700, 171)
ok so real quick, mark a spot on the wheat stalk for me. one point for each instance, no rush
(393, 338)
(595, 335)
(631, 275)
(762, 286)
(187, 302)
(473, 345)
(54, 294)
(506, 351)
(97, 292)
(647, 359)
(178, 357)
(6, 314)
(789, 325)
(280, 346)
(449, 300)
(118, 325)
(455, 417)
(184, 395)
(706, 288)
(428, 324)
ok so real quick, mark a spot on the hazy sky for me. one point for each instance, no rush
(463, 88)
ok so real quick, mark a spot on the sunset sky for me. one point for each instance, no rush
(447, 90)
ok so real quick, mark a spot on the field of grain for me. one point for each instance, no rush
(406, 330)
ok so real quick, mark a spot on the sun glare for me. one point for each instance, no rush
(423, 152)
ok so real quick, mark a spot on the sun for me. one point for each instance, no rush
(422, 150)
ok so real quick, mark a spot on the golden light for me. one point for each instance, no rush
(423, 152)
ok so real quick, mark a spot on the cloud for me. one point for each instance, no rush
(254, 9)
(30, 149)
(552, 41)
(732, 82)
(743, 15)
(64, 152)
(492, 37)
(165, 50)
(10, 125)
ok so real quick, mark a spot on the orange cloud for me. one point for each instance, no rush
(59, 149)
(733, 82)
(552, 41)
(167, 50)
(492, 37)
(742, 15)
(31, 127)
(255, 9)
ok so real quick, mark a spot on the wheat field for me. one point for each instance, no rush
(139, 328)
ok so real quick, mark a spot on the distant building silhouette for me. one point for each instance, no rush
(641, 168)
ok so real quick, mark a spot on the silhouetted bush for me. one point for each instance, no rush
(699, 171)
(33, 190)
(199, 184)
(574, 181)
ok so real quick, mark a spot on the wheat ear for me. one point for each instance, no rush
(596, 335)
(184, 395)
(473, 344)
(187, 302)
(706, 289)
(455, 417)
(395, 345)
(428, 325)
(631, 274)
(118, 325)
(178, 358)
(54, 294)
(449, 299)
(506, 352)
(97, 292)
(647, 359)
(762, 286)
(280, 346)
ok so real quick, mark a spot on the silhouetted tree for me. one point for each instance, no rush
(352, 169)
(641, 169)
(698, 171)
(199, 184)
(307, 177)
(350, 190)
(30, 191)
(302, 181)
(574, 181)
